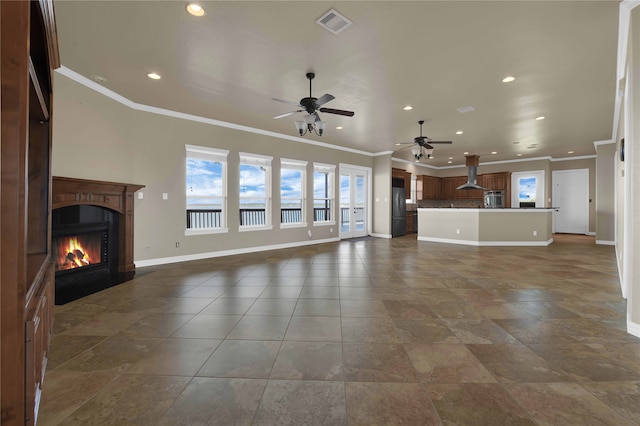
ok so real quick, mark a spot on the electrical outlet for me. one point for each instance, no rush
(458, 231)
(535, 233)
(309, 232)
(331, 230)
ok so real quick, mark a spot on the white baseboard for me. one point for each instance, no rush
(488, 243)
(633, 328)
(381, 235)
(223, 253)
(606, 242)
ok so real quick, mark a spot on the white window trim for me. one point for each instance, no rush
(263, 161)
(321, 167)
(211, 154)
(290, 164)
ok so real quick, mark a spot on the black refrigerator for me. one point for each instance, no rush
(398, 212)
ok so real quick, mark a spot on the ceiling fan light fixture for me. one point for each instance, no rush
(320, 126)
(301, 126)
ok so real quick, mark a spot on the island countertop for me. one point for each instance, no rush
(486, 227)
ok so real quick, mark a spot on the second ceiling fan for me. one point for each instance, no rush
(312, 106)
(421, 143)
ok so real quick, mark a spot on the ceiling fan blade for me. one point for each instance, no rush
(428, 146)
(324, 99)
(430, 141)
(287, 114)
(338, 111)
(286, 102)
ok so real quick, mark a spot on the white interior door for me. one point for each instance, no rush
(571, 197)
(354, 210)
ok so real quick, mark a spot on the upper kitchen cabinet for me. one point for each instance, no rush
(496, 181)
(402, 179)
(429, 188)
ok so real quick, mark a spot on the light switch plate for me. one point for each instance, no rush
(165, 196)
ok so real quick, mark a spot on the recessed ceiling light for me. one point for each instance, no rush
(98, 78)
(465, 153)
(449, 162)
(154, 76)
(518, 155)
(570, 152)
(450, 158)
(195, 9)
(408, 108)
(542, 117)
(508, 79)
(459, 132)
(340, 128)
(494, 152)
(465, 109)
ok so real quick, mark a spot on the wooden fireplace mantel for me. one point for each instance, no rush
(112, 195)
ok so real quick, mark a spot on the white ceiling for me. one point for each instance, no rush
(436, 56)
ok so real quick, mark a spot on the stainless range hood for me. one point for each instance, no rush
(472, 172)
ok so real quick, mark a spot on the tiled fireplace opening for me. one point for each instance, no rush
(85, 251)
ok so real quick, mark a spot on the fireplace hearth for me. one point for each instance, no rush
(92, 236)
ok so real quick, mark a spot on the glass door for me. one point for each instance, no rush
(353, 202)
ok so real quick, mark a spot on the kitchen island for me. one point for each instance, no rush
(486, 227)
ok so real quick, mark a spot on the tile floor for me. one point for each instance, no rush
(363, 332)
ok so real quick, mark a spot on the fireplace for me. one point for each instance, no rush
(81, 249)
(92, 236)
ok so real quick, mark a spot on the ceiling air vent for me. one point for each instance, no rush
(333, 21)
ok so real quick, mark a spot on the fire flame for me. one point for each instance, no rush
(71, 254)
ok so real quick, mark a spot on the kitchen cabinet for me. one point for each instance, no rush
(410, 222)
(496, 181)
(399, 174)
(429, 188)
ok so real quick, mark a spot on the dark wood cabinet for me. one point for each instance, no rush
(29, 53)
(496, 181)
(399, 174)
(431, 187)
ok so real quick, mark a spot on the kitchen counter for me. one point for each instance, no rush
(486, 227)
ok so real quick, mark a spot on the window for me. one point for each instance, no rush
(528, 189)
(323, 178)
(255, 191)
(292, 192)
(206, 190)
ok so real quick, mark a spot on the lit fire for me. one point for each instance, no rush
(73, 254)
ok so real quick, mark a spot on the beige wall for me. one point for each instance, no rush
(382, 195)
(605, 194)
(98, 138)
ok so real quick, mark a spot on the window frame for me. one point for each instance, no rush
(211, 155)
(260, 161)
(331, 196)
(289, 164)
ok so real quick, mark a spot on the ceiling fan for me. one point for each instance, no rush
(312, 106)
(421, 144)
